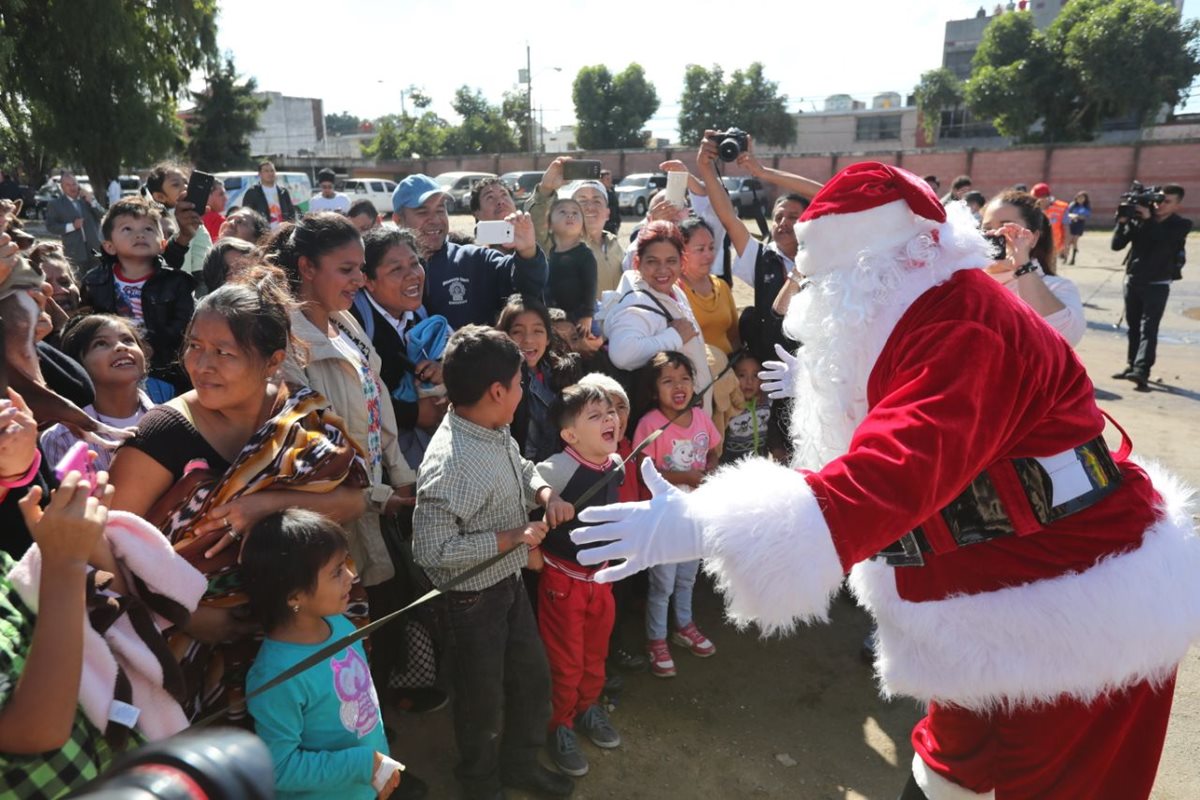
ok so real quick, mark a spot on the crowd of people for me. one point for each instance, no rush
(298, 423)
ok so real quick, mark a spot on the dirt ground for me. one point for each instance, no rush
(801, 717)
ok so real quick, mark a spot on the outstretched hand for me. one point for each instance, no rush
(779, 377)
(657, 531)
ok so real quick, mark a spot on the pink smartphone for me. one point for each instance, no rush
(79, 460)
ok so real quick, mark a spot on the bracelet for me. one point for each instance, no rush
(1030, 266)
(25, 478)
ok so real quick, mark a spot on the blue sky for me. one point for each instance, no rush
(357, 55)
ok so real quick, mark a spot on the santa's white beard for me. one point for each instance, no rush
(844, 318)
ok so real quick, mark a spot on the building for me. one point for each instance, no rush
(961, 40)
(562, 140)
(289, 126)
(848, 126)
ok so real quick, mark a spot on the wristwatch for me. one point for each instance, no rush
(1031, 265)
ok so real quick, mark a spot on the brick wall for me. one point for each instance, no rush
(1104, 171)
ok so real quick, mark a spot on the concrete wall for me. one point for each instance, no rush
(831, 131)
(1104, 171)
(288, 125)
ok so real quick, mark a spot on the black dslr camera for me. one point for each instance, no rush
(731, 143)
(1138, 195)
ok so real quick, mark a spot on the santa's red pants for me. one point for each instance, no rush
(575, 618)
(1106, 750)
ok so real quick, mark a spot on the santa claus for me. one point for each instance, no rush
(1034, 589)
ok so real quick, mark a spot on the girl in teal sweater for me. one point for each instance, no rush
(323, 726)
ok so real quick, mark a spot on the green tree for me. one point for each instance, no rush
(483, 129)
(342, 124)
(1098, 59)
(612, 109)
(387, 144)
(515, 109)
(103, 75)
(225, 116)
(938, 90)
(747, 100)
(1131, 56)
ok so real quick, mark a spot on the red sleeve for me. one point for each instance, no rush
(949, 404)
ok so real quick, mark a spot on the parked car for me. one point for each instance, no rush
(236, 183)
(634, 191)
(521, 184)
(745, 193)
(377, 190)
(458, 186)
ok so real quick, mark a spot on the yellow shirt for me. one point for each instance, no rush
(716, 313)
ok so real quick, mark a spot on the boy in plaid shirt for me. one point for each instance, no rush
(474, 495)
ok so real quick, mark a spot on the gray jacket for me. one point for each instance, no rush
(61, 214)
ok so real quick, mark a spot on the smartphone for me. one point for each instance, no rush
(199, 187)
(581, 169)
(999, 247)
(677, 188)
(79, 460)
(493, 232)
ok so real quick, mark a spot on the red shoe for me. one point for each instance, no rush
(689, 636)
(661, 663)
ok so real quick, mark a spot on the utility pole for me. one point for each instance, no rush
(529, 98)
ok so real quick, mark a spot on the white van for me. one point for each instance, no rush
(377, 190)
(236, 183)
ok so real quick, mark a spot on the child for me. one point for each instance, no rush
(167, 184)
(134, 282)
(629, 491)
(323, 726)
(572, 282)
(575, 614)
(474, 492)
(684, 454)
(592, 355)
(546, 370)
(746, 433)
(112, 352)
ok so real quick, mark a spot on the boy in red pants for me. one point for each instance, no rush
(575, 614)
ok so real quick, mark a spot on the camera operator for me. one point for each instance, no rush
(1157, 235)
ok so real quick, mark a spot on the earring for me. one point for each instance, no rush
(295, 609)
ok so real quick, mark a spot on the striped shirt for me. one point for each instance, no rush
(472, 484)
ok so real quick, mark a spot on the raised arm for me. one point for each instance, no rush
(718, 198)
(790, 182)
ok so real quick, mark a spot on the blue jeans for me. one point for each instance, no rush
(667, 580)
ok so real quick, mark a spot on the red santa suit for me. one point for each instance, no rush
(1046, 655)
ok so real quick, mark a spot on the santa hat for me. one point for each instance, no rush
(868, 206)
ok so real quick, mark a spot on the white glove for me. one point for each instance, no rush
(658, 531)
(779, 377)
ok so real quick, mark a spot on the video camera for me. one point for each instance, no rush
(216, 764)
(1138, 195)
(730, 143)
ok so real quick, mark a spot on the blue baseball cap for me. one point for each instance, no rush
(414, 190)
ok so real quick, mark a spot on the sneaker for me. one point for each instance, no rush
(1124, 374)
(661, 663)
(595, 725)
(565, 753)
(613, 684)
(689, 636)
(627, 661)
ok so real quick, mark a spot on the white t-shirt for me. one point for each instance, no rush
(274, 210)
(339, 203)
(129, 294)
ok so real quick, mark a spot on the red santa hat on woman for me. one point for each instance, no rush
(878, 207)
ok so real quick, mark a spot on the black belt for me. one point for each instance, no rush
(978, 515)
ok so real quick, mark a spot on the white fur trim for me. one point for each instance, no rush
(936, 787)
(828, 242)
(767, 545)
(1129, 618)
